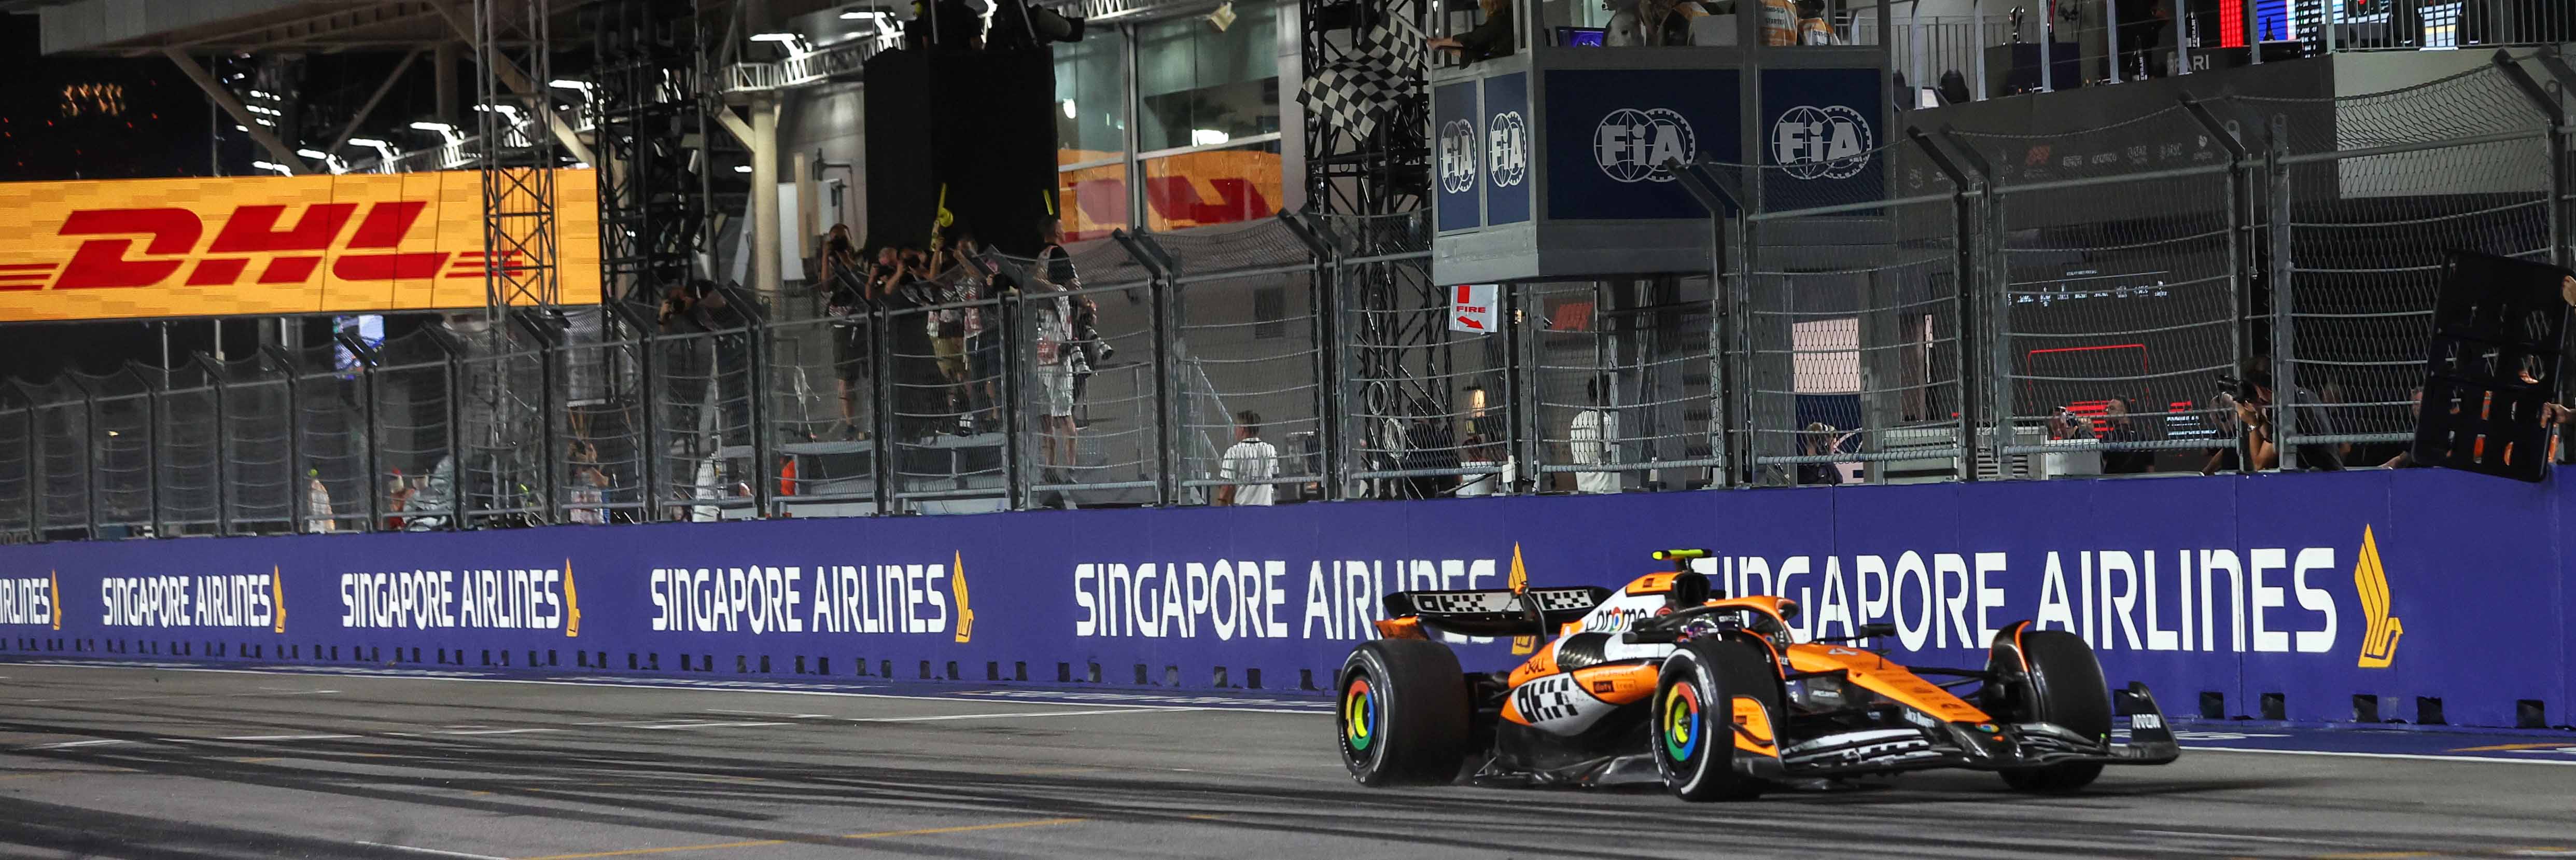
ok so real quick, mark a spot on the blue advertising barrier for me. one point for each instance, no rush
(2312, 588)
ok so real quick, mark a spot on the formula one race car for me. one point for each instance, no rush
(1718, 694)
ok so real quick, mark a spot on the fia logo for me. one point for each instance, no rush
(1458, 156)
(1821, 143)
(1507, 149)
(1634, 145)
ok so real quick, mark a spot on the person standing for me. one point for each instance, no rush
(1593, 438)
(1248, 466)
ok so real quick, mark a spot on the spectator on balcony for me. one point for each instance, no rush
(317, 505)
(2254, 403)
(1248, 466)
(589, 495)
(1083, 324)
(2121, 438)
(956, 289)
(1820, 439)
(1055, 360)
(983, 336)
(1593, 440)
(1488, 40)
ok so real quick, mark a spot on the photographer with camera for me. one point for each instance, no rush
(2252, 397)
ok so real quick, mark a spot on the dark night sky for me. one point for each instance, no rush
(143, 119)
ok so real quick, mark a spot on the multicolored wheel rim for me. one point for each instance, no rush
(1681, 723)
(1359, 715)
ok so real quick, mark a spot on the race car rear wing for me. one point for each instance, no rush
(1496, 612)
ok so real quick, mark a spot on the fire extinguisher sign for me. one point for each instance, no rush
(1471, 309)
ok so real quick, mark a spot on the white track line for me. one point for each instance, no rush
(2406, 756)
(71, 744)
(1320, 708)
(430, 852)
(2238, 837)
(1007, 716)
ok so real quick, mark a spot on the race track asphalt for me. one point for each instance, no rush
(161, 763)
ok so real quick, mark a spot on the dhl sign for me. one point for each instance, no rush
(268, 245)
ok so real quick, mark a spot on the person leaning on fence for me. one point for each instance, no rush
(1592, 439)
(845, 284)
(1248, 466)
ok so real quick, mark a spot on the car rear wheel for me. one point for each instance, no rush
(1403, 716)
(1713, 695)
(2062, 685)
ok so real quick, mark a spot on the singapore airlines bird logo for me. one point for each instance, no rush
(2370, 578)
(957, 583)
(1519, 582)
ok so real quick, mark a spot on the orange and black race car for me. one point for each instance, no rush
(1717, 693)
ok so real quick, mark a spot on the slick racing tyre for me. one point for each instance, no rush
(1714, 698)
(1403, 713)
(2063, 686)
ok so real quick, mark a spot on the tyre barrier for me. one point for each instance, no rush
(2419, 596)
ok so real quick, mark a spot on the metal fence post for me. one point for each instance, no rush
(450, 363)
(2240, 222)
(1719, 195)
(1966, 190)
(1319, 251)
(223, 429)
(880, 409)
(298, 501)
(2546, 103)
(648, 456)
(35, 467)
(89, 455)
(1015, 474)
(1336, 382)
(1159, 285)
(152, 409)
(2285, 383)
(549, 462)
(370, 439)
(755, 337)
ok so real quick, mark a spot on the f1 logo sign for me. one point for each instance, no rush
(1472, 309)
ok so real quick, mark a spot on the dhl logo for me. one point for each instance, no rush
(269, 245)
(2370, 580)
(290, 255)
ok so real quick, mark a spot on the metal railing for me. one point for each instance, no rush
(2016, 307)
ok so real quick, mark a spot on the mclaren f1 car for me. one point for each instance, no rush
(1716, 697)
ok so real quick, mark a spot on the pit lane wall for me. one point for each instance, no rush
(2312, 588)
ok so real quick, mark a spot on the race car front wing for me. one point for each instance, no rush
(1977, 746)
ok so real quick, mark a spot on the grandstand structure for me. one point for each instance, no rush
(2063, 257)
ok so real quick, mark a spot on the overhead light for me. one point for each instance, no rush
(241, 128)
(788, 38)
(742, 168)
(368, 142)
(1208, 137)
(314, 154)
(282, 170)
(433, 126)
(569, 84)
(859, 15)
(112, 433)
(1068, 109)
(267, 123)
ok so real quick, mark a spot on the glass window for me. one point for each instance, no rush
(1199, 86)
(1222, 186)
(1090, 99)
